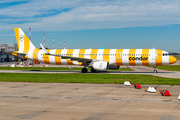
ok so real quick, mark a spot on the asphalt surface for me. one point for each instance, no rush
(61, 101)
(138, 70)
(66, 101)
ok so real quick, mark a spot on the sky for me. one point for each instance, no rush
(84, 24)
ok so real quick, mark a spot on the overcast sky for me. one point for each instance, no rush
(94, 23)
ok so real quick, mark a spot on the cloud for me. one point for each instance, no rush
(55, 15)
(7, 35)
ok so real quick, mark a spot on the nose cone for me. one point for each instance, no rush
(172, 59)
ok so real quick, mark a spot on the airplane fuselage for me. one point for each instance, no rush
(115, 57)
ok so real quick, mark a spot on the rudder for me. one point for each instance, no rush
(23, 42)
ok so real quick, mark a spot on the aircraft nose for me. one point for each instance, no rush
(172, 59)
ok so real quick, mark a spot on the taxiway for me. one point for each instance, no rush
(66, 101)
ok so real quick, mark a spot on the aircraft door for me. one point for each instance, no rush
(118, 55)
(35, 54)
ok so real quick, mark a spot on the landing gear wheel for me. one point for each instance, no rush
(84, 70)
(155, 71)
(93, 70)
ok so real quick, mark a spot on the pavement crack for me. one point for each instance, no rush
(173, 109)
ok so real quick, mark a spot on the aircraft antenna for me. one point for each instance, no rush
(64, 44)
(53, 42)
(59, 43)
(30, 33)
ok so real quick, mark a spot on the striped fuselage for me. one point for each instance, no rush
(115, 57)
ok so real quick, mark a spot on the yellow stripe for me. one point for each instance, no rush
(106, 54)
(132, 53)
(144, 54)
(17, 35)
(57, 59)
(26, 45)
(46, 57)
(119, 55)
(81, 55)
(93, 54)
(69, 53)
(35, 54)
(159, 57)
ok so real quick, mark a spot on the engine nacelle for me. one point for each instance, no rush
(101, 66)
(114, 67)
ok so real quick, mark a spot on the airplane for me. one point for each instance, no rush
(96, 59)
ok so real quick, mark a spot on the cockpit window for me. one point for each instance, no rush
(165, 54)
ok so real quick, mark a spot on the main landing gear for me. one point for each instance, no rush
(93, 70)
(155, 71)
(84, 70)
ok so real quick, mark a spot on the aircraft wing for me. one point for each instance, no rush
(83, 60)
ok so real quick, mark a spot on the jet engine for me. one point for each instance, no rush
(100, 65)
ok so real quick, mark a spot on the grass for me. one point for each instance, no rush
(55, 68)
(87, 78)
(169, 67)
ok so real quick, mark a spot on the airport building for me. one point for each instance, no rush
(4, 49)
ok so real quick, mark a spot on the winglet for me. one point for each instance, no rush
(44, 49)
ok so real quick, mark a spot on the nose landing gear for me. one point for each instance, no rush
(155, 71)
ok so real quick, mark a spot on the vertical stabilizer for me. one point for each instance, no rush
(23, 42)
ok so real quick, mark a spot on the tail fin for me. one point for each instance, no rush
(23, 42)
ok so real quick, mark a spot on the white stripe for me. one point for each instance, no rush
(52, 58)
(21, 41)
(87, 53)
(152, 62)
(64, 61)
(112, 58)
(40, 56)
(139, 54)
(75, 54)
(125, 59)
(165, 59)
(31, 46)
(30, 54)
(99, 54)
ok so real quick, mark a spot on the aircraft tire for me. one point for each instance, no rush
(84, 70)
(93, 70)
(155, 71)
